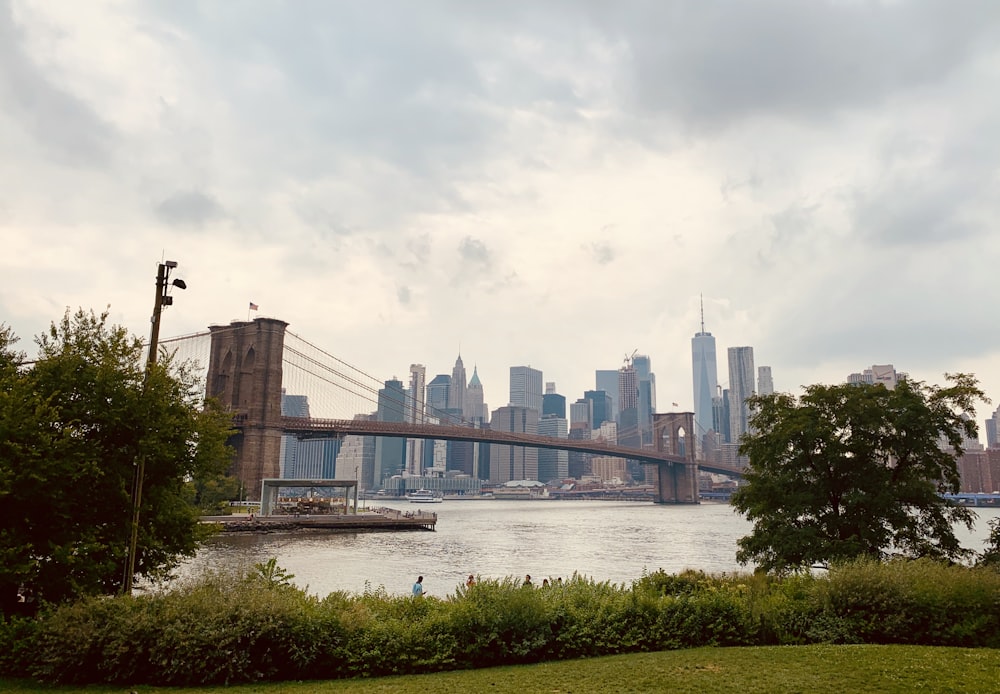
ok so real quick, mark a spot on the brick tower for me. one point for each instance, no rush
(244, 374)
(675, 483)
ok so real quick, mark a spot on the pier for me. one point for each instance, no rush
(371, 520)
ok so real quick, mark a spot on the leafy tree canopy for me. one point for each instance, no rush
(855, 470)
(72, 427)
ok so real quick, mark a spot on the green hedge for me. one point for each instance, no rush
(225, 630)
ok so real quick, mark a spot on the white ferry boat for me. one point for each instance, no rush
(423, 496)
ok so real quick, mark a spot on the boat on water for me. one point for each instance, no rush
(423, 496)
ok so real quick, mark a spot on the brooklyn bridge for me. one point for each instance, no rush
(251, 362)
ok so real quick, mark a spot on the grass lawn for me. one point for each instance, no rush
(840, 669)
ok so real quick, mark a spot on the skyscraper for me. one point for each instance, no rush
(415, 395)
(356, 459)
(765, 383)
(389, 451)
(581, 414)
(607, 380)
(526, 388)
(415, 415)
(292, 406)
(514, 462)
(474, 398)
(646, 385)
(552, 402)
(706, 380)
(600, 407)
(992, 428)
(629, 434)
(553, 464)
(741, 387)
(456, 398)
(438, 391)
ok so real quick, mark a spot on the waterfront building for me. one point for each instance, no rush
(526, 388)
(553, 464)
(611, 470)
(509, 463)
(979, 471)
(741, 386)
(705, 375)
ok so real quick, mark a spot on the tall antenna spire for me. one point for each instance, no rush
(702, 298)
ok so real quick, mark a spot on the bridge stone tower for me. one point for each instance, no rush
(244, 374)
(675, 483)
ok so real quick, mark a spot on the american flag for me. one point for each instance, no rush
(253, 306)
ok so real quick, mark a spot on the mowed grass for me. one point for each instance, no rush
(841, 669)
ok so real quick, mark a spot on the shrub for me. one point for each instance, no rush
(216, 631)
(231, 629)
(915, 601)
(17, 639)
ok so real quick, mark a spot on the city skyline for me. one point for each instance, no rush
(526, 184)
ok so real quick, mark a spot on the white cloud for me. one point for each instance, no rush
(552, 184)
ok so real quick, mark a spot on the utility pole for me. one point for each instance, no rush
(162, 299)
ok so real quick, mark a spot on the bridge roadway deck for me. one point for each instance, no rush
(305, 427)
(380, 519)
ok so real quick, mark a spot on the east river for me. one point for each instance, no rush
(603, 540)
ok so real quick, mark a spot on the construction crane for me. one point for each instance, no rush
(628, 358)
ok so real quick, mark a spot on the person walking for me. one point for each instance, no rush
(527, 580)
(418, 587)
(471, 581)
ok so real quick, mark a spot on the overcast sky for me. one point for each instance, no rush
(550, 183)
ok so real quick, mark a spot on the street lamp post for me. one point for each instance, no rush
(357, 483)
(162, 299)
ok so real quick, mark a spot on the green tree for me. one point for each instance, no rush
(991, 555)
(72, 427)
(212, 494)
(855, 470)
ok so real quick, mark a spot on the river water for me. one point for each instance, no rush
(604, 540)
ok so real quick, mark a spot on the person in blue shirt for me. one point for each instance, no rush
(418, 587)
